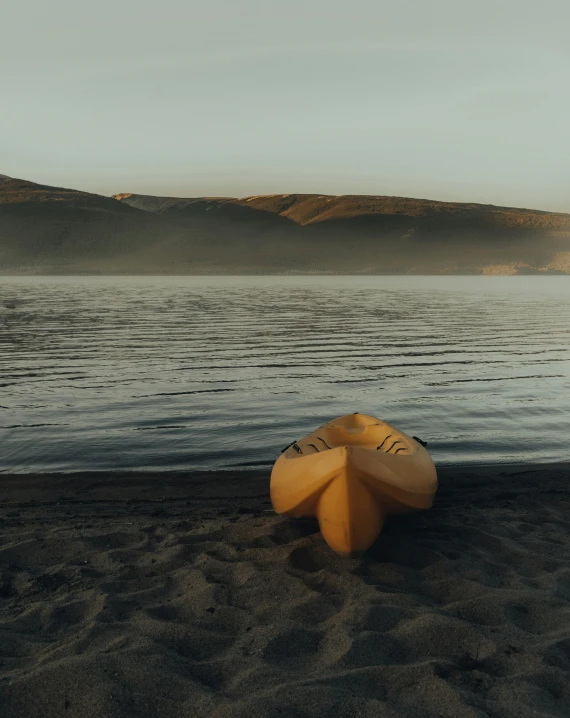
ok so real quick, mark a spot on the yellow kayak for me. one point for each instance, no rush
(351, 473)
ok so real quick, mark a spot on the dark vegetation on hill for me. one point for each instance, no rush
(55, 230)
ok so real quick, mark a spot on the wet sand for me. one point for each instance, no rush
(181, 594)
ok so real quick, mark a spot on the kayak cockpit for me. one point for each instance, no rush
(360, 430)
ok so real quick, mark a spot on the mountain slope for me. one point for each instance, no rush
(56, 230)
(306, 209)
(382, 234)
(53, 229)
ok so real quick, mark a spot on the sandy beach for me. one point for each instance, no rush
(178, 594)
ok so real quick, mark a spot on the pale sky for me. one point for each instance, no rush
(442, 99)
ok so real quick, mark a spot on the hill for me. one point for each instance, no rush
(377, 234)
(55, 230)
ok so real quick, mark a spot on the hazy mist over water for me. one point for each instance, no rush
(218, 372)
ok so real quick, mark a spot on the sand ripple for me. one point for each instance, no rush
(184, 596)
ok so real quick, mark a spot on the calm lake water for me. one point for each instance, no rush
(222, 372)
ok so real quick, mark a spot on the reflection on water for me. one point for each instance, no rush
(219, 372)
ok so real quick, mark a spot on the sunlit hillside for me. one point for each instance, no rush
(54, 230)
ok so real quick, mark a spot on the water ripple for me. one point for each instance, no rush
(190, 372)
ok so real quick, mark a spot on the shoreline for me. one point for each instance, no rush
(178, 484)
(175, 594)
(317, 273)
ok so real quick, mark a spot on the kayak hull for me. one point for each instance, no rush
(350, 474)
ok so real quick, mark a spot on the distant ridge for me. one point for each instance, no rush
(47, 229)
(311, 208)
